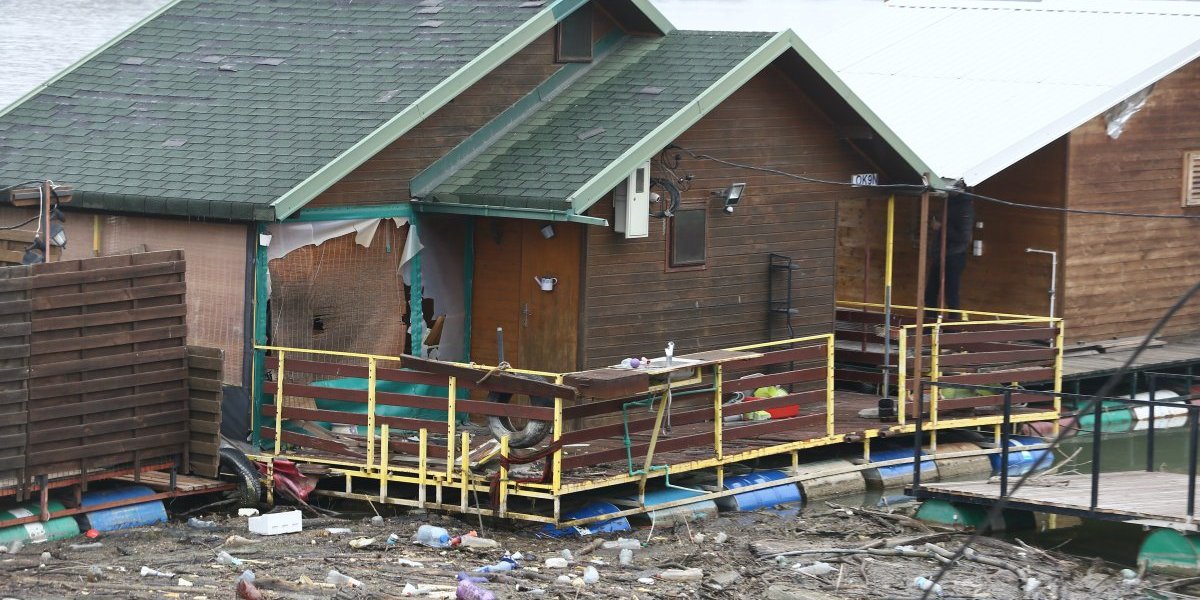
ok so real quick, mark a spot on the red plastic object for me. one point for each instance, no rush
(784, 412)
(92, 534)
(289, 477)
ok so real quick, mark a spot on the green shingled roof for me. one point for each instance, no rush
(542, 161)
(218, 108)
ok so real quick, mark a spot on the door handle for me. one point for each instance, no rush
(525, 312)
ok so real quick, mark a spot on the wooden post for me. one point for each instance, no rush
(919, 329)
(942, 254)
(45, 208)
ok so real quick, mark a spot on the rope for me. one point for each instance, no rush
(503, 366)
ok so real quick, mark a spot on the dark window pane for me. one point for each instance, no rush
(688, 237)
(574, 43)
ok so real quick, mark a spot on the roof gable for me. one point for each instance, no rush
(974, 86)
(247, 110)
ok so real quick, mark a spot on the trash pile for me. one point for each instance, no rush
(823, 553)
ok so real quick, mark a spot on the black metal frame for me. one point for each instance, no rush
(1097, 405)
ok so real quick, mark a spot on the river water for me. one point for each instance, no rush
(40, 38)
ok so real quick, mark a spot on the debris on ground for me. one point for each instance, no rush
(825, 552)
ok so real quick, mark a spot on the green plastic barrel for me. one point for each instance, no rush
(1170, 552)
(1112, 420)
(972, 516)
(54, 529)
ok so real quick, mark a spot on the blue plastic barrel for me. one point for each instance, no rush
(123, 517)
(784, 493)
(897, 475)
(589, 510)
(695, 511)
(1020, 461)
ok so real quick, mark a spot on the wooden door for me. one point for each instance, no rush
(540, 328)
(549, 320)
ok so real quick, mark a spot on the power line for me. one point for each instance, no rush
(922, 188)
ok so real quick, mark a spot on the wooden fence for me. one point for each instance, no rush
(95, 364)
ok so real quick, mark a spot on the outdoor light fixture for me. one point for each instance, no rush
(58, 235)
(733, 195)
(33, 256)
(548, 231)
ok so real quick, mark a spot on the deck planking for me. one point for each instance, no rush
(1150, 498)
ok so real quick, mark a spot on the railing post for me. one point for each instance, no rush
(451, 422)
(422, 464)
(902, 376)
(279, 404)
(1193, 434)
(1153, 380)
(370, 411)
(556, 459)
(1096, 442)
(918, 434)
(829, 413)
(1058, 368)
(384, 441)
(935, 390)
(503, 504)
(1005, 434)
(718, 412)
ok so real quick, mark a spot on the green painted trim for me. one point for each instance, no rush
(436, 174)
(349, 213)
(468, 286)
(604, 181)
(660, 20)
(262, 278)
(426, 105)
(537, 214)
(895, 141)
(89, 56)
(416, 293)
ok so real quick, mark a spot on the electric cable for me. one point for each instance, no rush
(1103, 392)
(672, 192)
(922, 188)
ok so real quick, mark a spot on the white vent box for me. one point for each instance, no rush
(631, 204)
(277, 523)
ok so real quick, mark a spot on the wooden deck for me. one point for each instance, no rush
(1173, 354)
(1152, 499)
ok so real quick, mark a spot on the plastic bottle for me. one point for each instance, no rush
(339, 579)
(505, 564)
(468, 590)
(225, 558)
(925, 584)
(626, 556)
(434, 537)
(817, 569)
(721, 537)
(199, 524)
(474, 541)
(465, 576)
(556, 562)
(590, 575)
(622, 543)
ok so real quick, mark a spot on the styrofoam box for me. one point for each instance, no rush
(277, 523)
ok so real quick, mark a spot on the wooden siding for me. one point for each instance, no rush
(385, 177)
(1004, 279)
(633, 305)
(1123, 273)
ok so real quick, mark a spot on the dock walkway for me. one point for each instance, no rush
(1145, 498)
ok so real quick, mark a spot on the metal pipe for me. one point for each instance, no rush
(918, 436)
(1192, 440)
(887, 300)
(1150, 429)
(1053, 273)
(1005, 434)
(1097, 404)
(922, 265)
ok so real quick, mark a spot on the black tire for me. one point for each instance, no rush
(527, 437)
(250, 487)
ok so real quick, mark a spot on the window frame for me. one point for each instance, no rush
(671, 264)
(1190, 193)
(586, 13)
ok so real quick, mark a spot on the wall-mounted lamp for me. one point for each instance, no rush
(548, 231)
(733, 195)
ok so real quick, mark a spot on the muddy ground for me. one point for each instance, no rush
(871, 554)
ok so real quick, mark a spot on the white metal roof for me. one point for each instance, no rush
(973, 86)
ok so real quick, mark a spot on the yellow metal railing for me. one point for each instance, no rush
(960, 320)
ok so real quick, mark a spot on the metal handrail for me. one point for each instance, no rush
(1096, 407)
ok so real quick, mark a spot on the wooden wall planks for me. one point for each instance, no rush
(204, 409)
(634, 304)
(94, 371)
(1123, 273)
